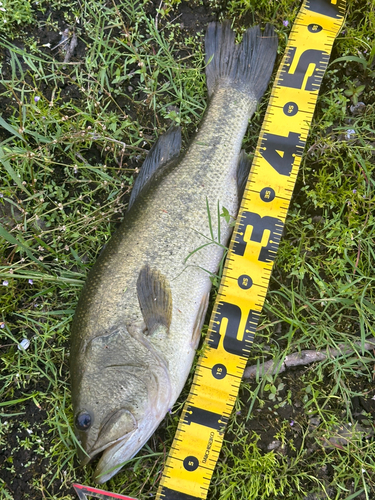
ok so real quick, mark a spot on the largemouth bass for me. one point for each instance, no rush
(138, 319)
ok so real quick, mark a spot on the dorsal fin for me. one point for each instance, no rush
(166, 148)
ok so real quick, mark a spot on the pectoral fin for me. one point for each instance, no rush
(155, 299)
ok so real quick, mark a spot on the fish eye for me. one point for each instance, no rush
(83, 421)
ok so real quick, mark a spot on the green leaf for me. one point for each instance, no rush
(11, 172)
(11, 129)
(13, 241)
(226, 215)
(356, 59)
(19, 400)
(40, 138)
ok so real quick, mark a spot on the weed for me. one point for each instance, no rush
(354, 91)
(14, 12)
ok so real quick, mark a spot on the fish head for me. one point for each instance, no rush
(120, 394)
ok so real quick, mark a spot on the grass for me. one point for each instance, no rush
(73, 137)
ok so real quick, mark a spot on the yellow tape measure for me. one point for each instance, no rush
(197, 444)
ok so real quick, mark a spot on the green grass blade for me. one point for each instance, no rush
(10, 129)
(11, 172)
(13, 241)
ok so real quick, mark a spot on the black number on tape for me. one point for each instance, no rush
(295, 80)
(280, 151)
(259, 224)
(232, 314)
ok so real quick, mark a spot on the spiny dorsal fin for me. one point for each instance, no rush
(166, 148)
(155, 299)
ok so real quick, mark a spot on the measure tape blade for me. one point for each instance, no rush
(252, 251)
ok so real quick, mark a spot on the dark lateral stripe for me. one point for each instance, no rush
(168, 494)
(204, 417)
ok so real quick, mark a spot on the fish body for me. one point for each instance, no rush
(138, 320)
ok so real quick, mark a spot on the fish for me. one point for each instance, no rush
(138, 320)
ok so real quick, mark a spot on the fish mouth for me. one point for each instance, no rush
(118, 453)
(105, 469)
(86, 456)
(119, 427)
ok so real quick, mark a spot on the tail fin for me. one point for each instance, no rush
(246, 66)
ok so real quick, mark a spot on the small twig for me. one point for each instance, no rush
(63, 41)
(80, 157)
(157, 15)
(300, 359)
(173, 20)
